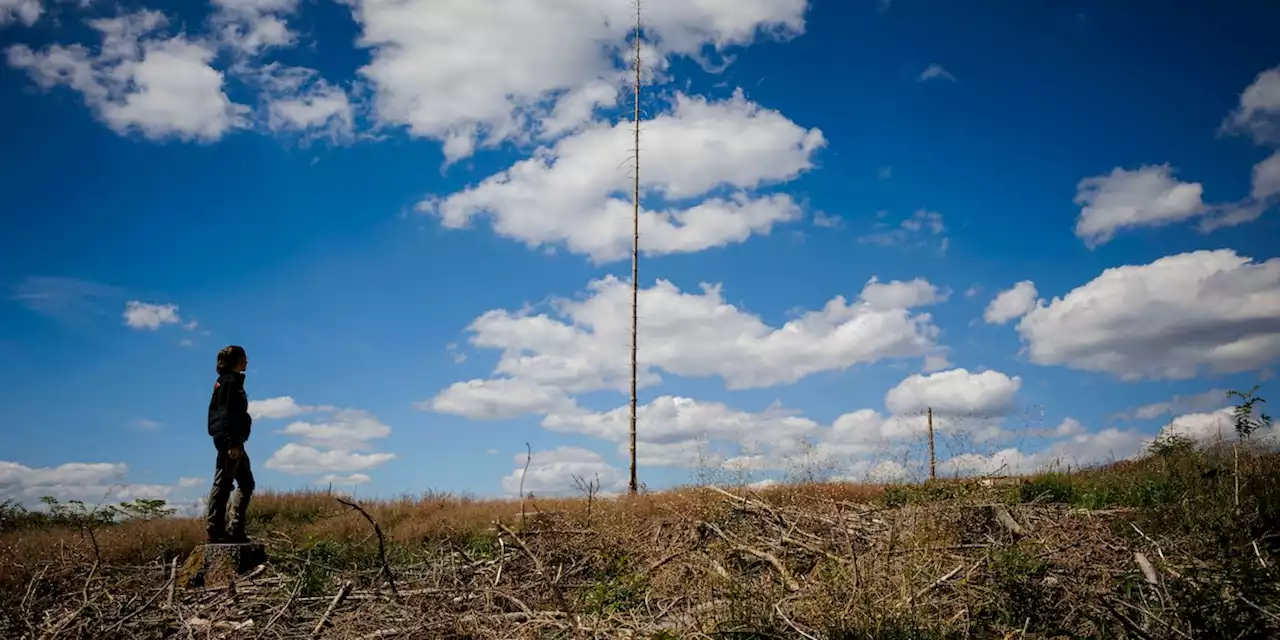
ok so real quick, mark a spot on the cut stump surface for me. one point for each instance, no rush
(214, 565)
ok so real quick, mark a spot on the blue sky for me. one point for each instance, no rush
(414, 215)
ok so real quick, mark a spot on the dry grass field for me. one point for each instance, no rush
(1182, 543)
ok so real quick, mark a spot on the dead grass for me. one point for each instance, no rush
(1179, 545)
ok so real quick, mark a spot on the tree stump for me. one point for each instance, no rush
(216, 565)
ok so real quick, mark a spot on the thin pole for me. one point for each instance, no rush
(633, 484)
(933, 472)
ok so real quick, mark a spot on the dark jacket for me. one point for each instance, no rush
(229, 420)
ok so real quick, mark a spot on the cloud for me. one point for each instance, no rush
(672, 419)
(280, 408)
(435, 70)
(1146, 197)
(1075, 451)
(92, 483)
(935, 72)
(584, 346)
(1011, 304)
(149, 425)
(955, 392)
(1169, 319)
(161, 87)
(1209, 426)
(296, 459)
(495, 399)
(552, 472)
(327, 445)
(25, 11)
(146, 316)
(1175, 405)
(920, 229)
(68, 300)
(884, 173)
(1069, 427)
(1258, 114)
(323, 107)
(1266, 177)
(348, 429)
(574, 195)
(901, 295)
(826, 221)
(249, 27)
(353, 479)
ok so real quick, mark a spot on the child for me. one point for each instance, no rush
(229, 424)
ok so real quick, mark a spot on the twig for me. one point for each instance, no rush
(173, 580)
(1128, 624)
(516, 601)
(1260, 609)
(662, 561)
(337, 600)
(528, 457)
(502, 561)
(1148, 539)
(119, 623)
(777, 607)
(945, 577)
(382, 545)
(537, 566)
(782, 570)
(287, 603)
(1152, 616)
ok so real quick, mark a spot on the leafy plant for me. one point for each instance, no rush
(1247, 419)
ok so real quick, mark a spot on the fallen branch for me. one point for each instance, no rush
(173, 580)
(279, 612)
(773, 560)
(337, 600)
(382, 544)
(537, 565)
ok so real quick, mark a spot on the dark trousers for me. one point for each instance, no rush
(226, 472)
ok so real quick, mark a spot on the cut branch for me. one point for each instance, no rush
(382, 544)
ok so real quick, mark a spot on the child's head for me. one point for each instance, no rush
(232, 358)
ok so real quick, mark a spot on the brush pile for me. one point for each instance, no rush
(785, 565)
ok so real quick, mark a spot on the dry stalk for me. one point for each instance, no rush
(528, 457)
(382, 544)
(337, 600)
(537, 566)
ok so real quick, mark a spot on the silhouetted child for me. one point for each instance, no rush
(229, 424)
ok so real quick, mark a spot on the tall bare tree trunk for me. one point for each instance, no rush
(633, 485)
(933, 471)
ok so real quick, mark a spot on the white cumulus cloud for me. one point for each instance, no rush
(1258, 114)
(297, 459)
(955, 392)
(575, 195)
(1172, 318)
(25, 11)
(1145, 197)
(467, 73)
(148, 316)
(139, 80)
(1012, 303)
(584, 346)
